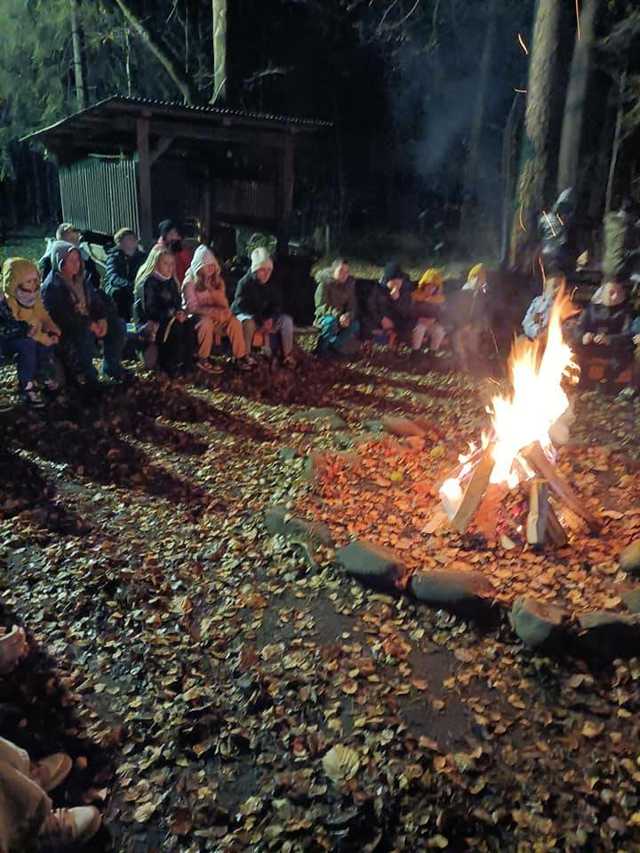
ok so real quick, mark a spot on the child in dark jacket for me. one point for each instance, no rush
(605, 329)
(158, 312)
(26, 329)
(390, 306)
(84, 316)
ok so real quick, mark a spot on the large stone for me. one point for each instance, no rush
(610, 635)
(607, 619)
(535, 622)
(279, 521)
(373, 426)
(374, 565)
(630, 558)
(450, 588)
(631, 599)
(402, 426)
(325, 417)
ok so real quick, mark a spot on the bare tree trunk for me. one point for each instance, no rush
(81, 94)
(575, 105)
(219, 12)
(472, 170)
(154, 46)
(535, 182)
(617, 140)
(127, 44)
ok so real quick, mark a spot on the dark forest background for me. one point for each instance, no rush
(456, 121)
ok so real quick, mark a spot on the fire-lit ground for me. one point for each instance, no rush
(230, 697)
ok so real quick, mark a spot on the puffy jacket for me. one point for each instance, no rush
(122, 269)
(260, 301)
(334, 298)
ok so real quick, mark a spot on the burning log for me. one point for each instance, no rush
(475, 491)
(535, 456)
(538, 517)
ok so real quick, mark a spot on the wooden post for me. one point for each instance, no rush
(144, 182)
(287, 183)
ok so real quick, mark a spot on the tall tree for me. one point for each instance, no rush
(537, 170)
(219, 17)
(76, 41)
(577, 92)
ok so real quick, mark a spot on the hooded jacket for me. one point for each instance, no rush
(36, 316)
(334, 298)
(72, 309)
(615, 321)
(210, 300)
(381, 304)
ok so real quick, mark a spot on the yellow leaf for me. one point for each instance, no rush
(341, 763)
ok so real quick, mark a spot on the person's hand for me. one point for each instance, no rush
(395, 293)
(33, 331)
(601, 339)
(636, 340)
(54, 337)
(345, 320)
(587, 338)
(181, 316)
(99, 328)
(267, 326)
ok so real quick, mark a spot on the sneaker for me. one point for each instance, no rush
(71, 826)
(245, 364)
(51, 771)
(31, 396)
(207, 367)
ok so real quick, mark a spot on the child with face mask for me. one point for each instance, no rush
(26, 329)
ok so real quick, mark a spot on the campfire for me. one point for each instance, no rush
(514, 464)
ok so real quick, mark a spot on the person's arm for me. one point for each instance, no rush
(61, 311)
(530, 327)
(46, 322)
(352, 302)
(323, 309)
(625, 334)
(114, 277)
(583, 325)
(10, 328)
(190, 297)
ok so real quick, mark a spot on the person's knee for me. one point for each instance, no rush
(286, 323)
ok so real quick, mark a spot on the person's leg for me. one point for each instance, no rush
(24, 808)
(438, 335)
(346, 342)
(123, 298)
(248, 330)
(15, 756)
(419, 332)
(283, 326)
(233, 329)
(188, 344)
(26, 351)
(205, 329)
(114, 342)
(328, 335)
(168, 340)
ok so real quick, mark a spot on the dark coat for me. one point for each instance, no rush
(158, 300)
(122, 269)
(59, 303)
(615, 322)
(10, 328)
(380, 304)
(260, 301)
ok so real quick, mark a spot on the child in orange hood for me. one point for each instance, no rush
(428, 301)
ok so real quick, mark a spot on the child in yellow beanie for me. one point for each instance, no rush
(428, 301)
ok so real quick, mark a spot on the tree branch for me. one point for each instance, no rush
(159, 52)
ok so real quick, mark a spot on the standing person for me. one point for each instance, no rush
(389, 307)
(68, 232)
(27, 816)
(336, 309)
(205, 297)
(157, 304)
(428, 303)
(258, 306)
(170, 237)
(83, 317)
(123, 263)
(467, 317)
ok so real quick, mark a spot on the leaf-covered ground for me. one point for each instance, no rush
(220, 692)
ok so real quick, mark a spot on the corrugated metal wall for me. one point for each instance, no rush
(100, 194)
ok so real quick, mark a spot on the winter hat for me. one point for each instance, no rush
(59, 251)
(121, 233)
(261, 259)
(13, 270)
(202, 257)
(392, 270)
(431, 278)
(167, 225)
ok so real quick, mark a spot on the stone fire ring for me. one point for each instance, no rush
(537, 624)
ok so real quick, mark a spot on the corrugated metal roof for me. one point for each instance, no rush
(188, 109)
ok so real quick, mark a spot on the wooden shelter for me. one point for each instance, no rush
(133, 162)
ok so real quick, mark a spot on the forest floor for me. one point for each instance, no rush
(221, 692)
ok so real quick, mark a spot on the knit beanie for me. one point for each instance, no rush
(261, 259)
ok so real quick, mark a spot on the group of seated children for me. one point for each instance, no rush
(607, 330)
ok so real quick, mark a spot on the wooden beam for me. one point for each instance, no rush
(161, 148)
(287, 186)
(536, 457)
(144, 182)
(475, 491)
(538, 516)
